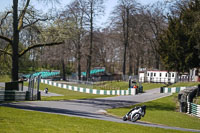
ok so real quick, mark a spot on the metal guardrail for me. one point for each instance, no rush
(12, 95)
(129, 91)
(193, 109)
(185, 98)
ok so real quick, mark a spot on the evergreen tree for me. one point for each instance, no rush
(179, 43)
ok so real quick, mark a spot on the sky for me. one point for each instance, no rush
(109, 6)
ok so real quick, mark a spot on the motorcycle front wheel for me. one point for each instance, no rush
(135, 117)
(125, 118)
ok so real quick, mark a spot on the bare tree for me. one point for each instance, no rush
(95, 7)
(122, 16)
(18, 26)
(155, 23)
(75, 14)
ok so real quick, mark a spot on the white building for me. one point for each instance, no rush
(158, 76)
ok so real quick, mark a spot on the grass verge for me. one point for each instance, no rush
(105, 85)
(163, 111)
(185, 84)
(70, 95)
(117, 85)
(67, 94)
(20, 121)
(148, 86)
(113, 85)
(5, 78)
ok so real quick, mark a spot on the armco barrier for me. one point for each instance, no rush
(130, 91)
(171, 90)
(12, 95)
(193, 109)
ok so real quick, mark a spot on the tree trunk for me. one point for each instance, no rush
(89, 61)
(149, 60)
(63, 68)
(124, 59)
(126, 37)
(157, 64)
(79, 61)
(142, 62)
(130, 63)
(15, 67)
(137, 64)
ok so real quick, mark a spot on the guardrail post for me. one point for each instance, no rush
(198, 90)
(133, 91)
(189, 108)
(161, 89)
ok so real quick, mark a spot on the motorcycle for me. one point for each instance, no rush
(135, 114)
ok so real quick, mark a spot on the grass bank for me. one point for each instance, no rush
(20, 121)
(5, 78)
(185, 84)
(163, 111)
(117, 85)
(104, 85)
(123, 85)
(67, 94)
(148, 86)
(70, 95)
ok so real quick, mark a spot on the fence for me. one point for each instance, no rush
(33, 87)
(171, 90)
(12, 95)
(14, 91)
(130, 91)
(193, 109)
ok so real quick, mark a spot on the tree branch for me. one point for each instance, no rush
(6, 39)
(37, 46)
(21, 17)
(34, 22)
(5, 52)
(4, 18)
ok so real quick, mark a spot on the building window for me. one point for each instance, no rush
(166, 75)
(151, 74)
(148, 74)
(172, 74)
(160, 74)
(154, 74)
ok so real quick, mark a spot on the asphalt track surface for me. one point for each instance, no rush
(95, 108)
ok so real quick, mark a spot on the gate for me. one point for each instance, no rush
(33, 87)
